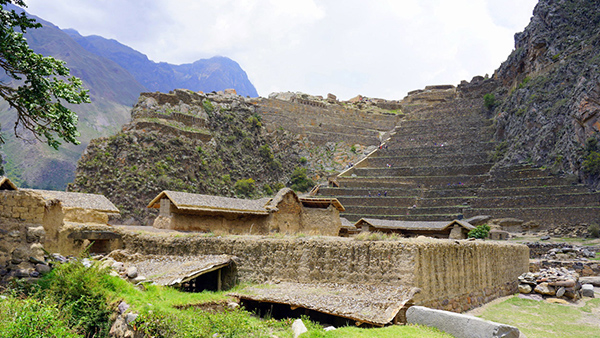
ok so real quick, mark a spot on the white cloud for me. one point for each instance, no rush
(380, 48)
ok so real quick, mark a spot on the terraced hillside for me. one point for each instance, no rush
(438, 165)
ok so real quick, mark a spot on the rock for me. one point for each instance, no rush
(298, 327)
(560, 292)
(123, 307)
(545, 289)
(509, 222)
(130, 317)
(545, 238)
(22, 273)
(329, 328)
(132, 272)
(139, 279)
(556, 301)
(478, 220)
(525, 288)
(595, 281)
(587, 290)
(459, 325)
(232, 305)
(34, 274)
(118, 266)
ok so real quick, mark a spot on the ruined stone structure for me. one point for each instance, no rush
(32, 219)
(452, 275)
(285, 213)
(437, 166)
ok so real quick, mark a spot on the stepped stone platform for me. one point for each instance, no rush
(436, 167)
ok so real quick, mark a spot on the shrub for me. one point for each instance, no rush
(591, 163)
(267, 189)
(31, 318)
(208, 106)
(244, 188)
(594, 230)
(481, 232)
(353, 149)
(81, 294)
(303, 160)
(301, 182)
(266, 152)
(489, 101)
(226, 178)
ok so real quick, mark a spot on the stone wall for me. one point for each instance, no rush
(321, 124)
(453, 275)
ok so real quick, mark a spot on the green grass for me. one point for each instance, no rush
(404, 331)
(543, 320)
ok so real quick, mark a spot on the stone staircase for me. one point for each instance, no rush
(436, 167)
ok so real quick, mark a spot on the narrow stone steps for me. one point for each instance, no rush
(350, 192)
(558, 215)
(413, 181)
(453, 170)
(396, 150)
(377, 201)
(545, 200)
(535, 190)
(426, 160)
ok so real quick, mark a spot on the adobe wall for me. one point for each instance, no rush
(220, 225)
(27, 224)
(318, 221)
(453, 275)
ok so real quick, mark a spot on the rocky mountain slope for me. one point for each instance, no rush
(224, 144)
(113, 90)
(547, 110)
(214, 74)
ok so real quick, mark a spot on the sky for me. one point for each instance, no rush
(377, 48)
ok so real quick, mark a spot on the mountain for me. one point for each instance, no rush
(113, 90)
(547, 109)
(214, 74)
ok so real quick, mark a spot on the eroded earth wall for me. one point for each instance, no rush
(453, 275)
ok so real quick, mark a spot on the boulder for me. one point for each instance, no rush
(545, 289)
(298, 328)
(459, 325)
(525, 288)
(595, 280)
(587, 290)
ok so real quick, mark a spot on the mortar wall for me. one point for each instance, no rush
(451, 276)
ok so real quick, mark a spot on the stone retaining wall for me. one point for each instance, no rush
(583, 268)
(453, 275)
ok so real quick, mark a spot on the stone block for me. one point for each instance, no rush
(459, 325)
(587, 290)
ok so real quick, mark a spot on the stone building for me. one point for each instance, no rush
(456, 229)
(50, 219)
(285, 213)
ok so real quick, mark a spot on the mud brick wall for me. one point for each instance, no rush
(453, 275)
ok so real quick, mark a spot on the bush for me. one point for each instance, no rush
(301, 182)
(594, 230)
(244, 188)
(489, 101)
(208, 106)
(81, 295)
(267, 189)
(481, 232)
(32, 318)
(303, 160)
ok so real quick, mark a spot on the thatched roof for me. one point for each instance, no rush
(176, 270)
(410, 225)
(215, 204)
(272, 205)
(377, 305)
(80, 200)
(6, 184)
(346, 223)
(312, 202)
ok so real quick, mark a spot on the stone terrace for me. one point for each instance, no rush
(436, 167)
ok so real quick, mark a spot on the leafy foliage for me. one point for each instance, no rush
(594, 230)
(31, 318)
(481, 231)
(591, 162)
(244, 187)
(489, 101)
(300, 181)
(44, 83)
(82, 295)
